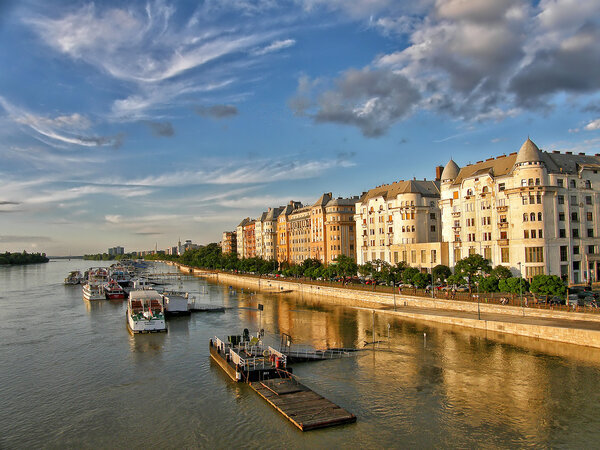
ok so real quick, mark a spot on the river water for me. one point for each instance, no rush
(72, 376)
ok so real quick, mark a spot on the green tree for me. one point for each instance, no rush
(421, 279)
(511, 285)
(471, 265)
(488, 284)
(548, 285)
(501, 272)
(409, 274)
(346, 266)
(441, 273)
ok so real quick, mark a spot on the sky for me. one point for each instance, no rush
(139, 123)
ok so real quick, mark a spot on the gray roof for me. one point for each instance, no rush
(323, 199)
(451, 170)
(529, 152)
(244, 222)
(388, 191)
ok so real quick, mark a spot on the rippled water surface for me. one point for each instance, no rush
(72, 376)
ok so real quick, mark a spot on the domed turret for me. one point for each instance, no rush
(450, 172)
(529, 153)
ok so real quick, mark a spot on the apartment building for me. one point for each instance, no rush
(229, 242)
(533, 211)
(283, 237)
(249, 239)
(401, 222)
(299, 234)
(240, 238)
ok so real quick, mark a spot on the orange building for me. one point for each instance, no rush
(283, 237)
(229, 242)
(299, 234)
(249, 240)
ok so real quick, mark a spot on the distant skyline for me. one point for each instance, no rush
(141, 123)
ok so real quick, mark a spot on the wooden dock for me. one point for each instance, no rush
(303, 407)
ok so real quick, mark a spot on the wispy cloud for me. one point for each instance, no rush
(217, 111)
(593, 125)
(275, 46)
(63, 128)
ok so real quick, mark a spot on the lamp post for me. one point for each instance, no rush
(478, 311)
(521, 287)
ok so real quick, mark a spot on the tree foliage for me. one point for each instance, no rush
(511, 285)
(441, 273)
(548, 285)
(22, 258)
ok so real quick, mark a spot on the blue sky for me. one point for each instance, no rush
(136, 125)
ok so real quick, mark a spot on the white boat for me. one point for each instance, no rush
(120, 275)
(140, 284)
(93, 291)
(74, 277)
(176, 303)
(145, 312)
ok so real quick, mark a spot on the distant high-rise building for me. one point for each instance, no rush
(114, 251)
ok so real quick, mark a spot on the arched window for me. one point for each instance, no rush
(532, 217)
(530, 182)
(539, 216)
(588, 184)
(524, 217)
(413, 228)
(469, 191)
(485, 189)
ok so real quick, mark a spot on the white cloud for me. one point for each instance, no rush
(593, 125)
(275, 46)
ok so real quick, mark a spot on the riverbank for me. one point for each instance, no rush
(558, 326)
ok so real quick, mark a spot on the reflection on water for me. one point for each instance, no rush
(72, 376)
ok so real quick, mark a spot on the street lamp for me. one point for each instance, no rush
(521, 286)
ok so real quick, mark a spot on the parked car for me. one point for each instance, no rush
(556, 300)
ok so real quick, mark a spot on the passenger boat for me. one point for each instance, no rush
(120, 275)
(114, 291)
(74, 277)
(140, 284)
(145, 312)
(93, 289)
(176, 303)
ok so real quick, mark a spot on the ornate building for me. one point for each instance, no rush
(535, 212)
(401, 222)
(229, 242)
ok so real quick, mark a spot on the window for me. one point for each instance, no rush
(432, 228)
(533, 234)
(534, 254)
(539, 199)
(433, 256)
(504, 255)
(525, 217)
(501, 186)
(575, 232)
(487, 253)
(457, 255)
(537, 181)
(469, 192)
(573, 183)
(524, 200)
(562, 233)
(573, 199)
(423, 256)
(591, 249)
(563, 253)
(590, 232)
(532, 217)
(432, 216)
(576, 249)
(575, 265)
(588, 184)
(530, 182)
(525, 234)
(531, 272)
(523, 182)
(413, 256)
(588, 199)
(560, 182)
(531, 200)
(561, 199)
(589, 217)
(540, 236)
(539, 217)
(455, 194)
(404, 253)
(574, 217)
(503, 235)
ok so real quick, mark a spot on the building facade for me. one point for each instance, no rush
(239, 233)
(269, 234)
(299, 234)
(229, 242)
(340, 229)
(401, 222)
(535, 212)
(249, 239)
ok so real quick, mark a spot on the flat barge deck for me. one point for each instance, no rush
(266, 371)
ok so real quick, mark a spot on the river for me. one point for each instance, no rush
(72, 376)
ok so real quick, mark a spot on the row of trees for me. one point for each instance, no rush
(22, 258)
(474, 271)
(107, 257)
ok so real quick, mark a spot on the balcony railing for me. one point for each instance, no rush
(502, 224)
(502, 241)
(455, 213)
(502, 208)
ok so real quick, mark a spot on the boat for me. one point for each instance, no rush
(140, 284)
(93, 289)
(176, 303)
(145, 312)
(120, 275)
(114, 291)
(74, 277)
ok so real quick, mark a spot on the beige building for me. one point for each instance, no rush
(283, 237)
(268, 238)
(401, 222)
(299, 235)
(535, 212)
(240, 238)
(229, 242)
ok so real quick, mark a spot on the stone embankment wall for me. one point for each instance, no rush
(569, 334)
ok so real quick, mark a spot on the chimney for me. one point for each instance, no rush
(438, 173)
(569, 153)
(581, 154)
(556, 151)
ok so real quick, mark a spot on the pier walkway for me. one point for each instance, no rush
(303, 407)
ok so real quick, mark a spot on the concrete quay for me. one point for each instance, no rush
(558, 326)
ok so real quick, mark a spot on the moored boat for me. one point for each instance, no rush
(114, 291)
(93, 289)
(74, 277)
(176, 303)
(145, 312)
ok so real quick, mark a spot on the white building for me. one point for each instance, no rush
(535, 212)
(400, 222)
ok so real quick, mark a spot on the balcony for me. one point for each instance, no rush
(455, 213)
(456, 227)
(502, 225)
(502, 208)
(502, 241)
